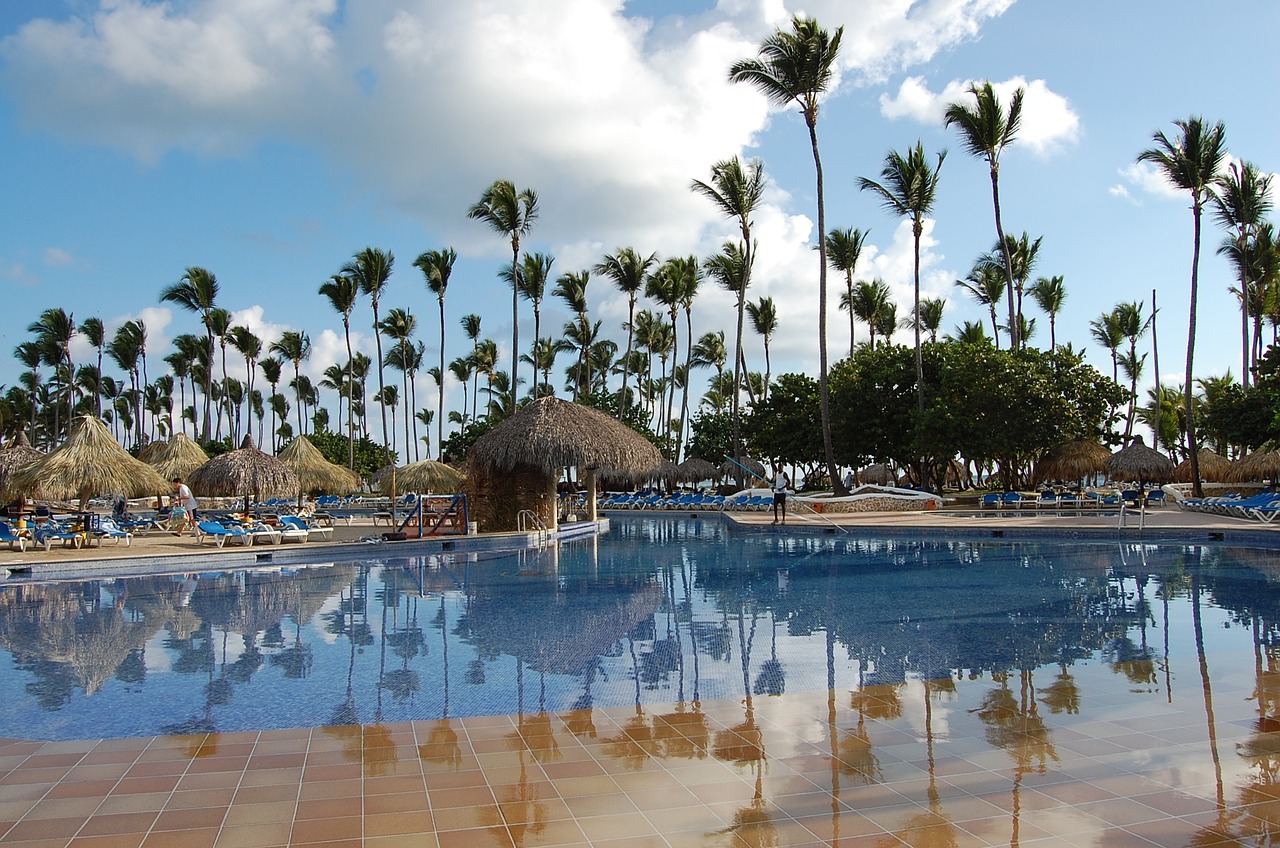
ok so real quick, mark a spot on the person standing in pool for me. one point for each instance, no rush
(781, 482)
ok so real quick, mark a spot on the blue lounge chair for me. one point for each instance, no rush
(52, 531)
(108, 529)
(206, 530)
(7, 535)
(296, 529)
(1012, 500)
(992, 500)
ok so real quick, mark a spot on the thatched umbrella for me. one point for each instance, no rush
(696, 468)
(177, 457)
(247, 471)
(314, 471)
(425, 476)
(729, 468)
(1259, 465)
(1072, 460)
(17, 454)
(1140, 463)
(1214, 468)
(878, 474)
(549, 434)
(90, 462)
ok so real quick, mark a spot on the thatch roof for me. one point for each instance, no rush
(247, 472)
(550, 433)
(1072, 461)
(1259, 465)
(313, 470)
(425, 476)
(1213, 468)
(177, 457)
(731, 469)
(1139, 463)
(696, 468)
(15, 455)
(878, 473)
(382, 475)
(90, 462)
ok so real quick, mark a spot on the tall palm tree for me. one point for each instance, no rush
(294, 346)
(125, 348)
(530, 279)
(730, 270)
(628, 269)
(669, 286)
(1241, 204)
(437, 266)
(908, 189)
(1050, 293)
(710, 352)
(986, 284)
(471, 326)
(1017, 254)
(764, 320)
(248, 345)
(931, 309)
(56, 327)
(371, 268)
(510, 212)
(271, 371)
(1192, 161)
(986, 129)
(688, 292)
(197, 292)
(970, 332)
(844, 249)
(95, 333)
(343, 292)
(571, 288)
(1132, 326)
(462, 370)
(220, 325)
(797, 67)
(400, 326)
(869, 301)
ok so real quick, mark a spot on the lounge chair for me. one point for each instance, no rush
(51, 531)
(1012, 500)
(992, 500)
(7, 535)
(108, 529)
(206, 530)
(1047, 499)
(263, 533)
(294, 524)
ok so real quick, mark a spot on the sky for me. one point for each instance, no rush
(270, 140)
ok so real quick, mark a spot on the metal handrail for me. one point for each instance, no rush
(527, 517)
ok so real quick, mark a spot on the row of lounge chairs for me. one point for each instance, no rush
(46, 533)
(290, 528)
(693, 501)
(1263, 507)
(1071, 501)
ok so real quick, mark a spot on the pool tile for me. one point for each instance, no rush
(263, 835)
(390, 824)
(330, 829)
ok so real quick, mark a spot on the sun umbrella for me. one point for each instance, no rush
(313, 470)
(729, 468)
(17, 454)
(878, 474)
(696, 468)
(1072, 461)
(1213, 468)
(1260, 465)
(151, 450)
(90, 462)
(425, 476)
(246, 472)
(177, 457)
(1139, 463)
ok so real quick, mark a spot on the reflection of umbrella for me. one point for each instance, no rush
(1072, 461)
(1213, 468)
(246, 472)
(17, 454)
(696, 468)
(425, 476)
(90, 462)
(177, 457)
(1260, 465)
(313, 470)
(1140, 463)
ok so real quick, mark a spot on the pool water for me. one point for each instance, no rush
(661, 613)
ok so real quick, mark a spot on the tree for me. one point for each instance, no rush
(196, 292)
(220, 325)
(1018, 255)
(471, 326)
(399, 326)
(371, 268)
(96, 335)
(844, 249)
(248, 345)
(571, 288)
(628, 270)
(986, 130)
(1050, 293)
(343, 291)
(764, 320)
(511, 213)
(869, 302)
(437, 266)
(731, 270)
(55, 329)
(530, 281)
(1241, 204)
(986, 284)
(908, 189)
(797, 67)
(1192, 161)
(294, 346)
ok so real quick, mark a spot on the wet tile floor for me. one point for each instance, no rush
(796, 770)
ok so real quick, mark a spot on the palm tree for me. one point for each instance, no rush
(908, 190)
(462, 370)
(796, 67)
(248, 345)
(931, 309)
(1050, 293)
(986, 130)
(342, 292)
(371, 268)
(1132, 326)
(628, 269)
(572, 289)
(196, 292)
(543, 359)
(711, 352)
(986, 284)
(511, 213)
(437, 266)
(220, 325)
(669, 286)
(869, 301)
(688, 292)
(529, 279)
(1192, 162)
(399, 326)
(471, 326)
(294, 346)
(125, 348)
(56, 328)
(844, 249)
(1241, 204)
(731, 270)
(96, 335)
(970, 332)
(1017, 255)
(764, 320)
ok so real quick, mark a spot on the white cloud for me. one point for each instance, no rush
(1048, 121)
(1150, 180)
(57, 257)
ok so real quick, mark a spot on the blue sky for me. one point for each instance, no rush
(269, 140)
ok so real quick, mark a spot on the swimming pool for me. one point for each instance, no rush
(660, 613)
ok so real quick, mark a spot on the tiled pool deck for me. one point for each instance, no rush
(802, 769)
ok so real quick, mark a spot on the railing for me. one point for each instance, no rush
(527, 521)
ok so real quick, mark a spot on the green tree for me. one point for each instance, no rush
(343, 292)
(764, 320)
(628, 271)
(294, 346)
(1050, 293)
(844, 249)
(986, 284)
(1192, 161)
(1241, 204)
(796, 67)
(95, 333)
(437, 267)
(371, 269)
(196, 292)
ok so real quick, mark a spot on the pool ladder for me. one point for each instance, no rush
(527, 521)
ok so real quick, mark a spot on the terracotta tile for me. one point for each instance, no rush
(343, 772)
(404, 802)
(389, 824)
(464, 818)
(63, 808)
(330, 789)
(455, 779)
(319, 830)
(328, 808)
(413, 840)
(240, 815)
(620, 826)
(185, 819)
(274, 761)
(587, 806)
(191, 838)
(394, 785)
(44, 829)
(118, 823)
(209, 780)
(464, 797)
(118, 840)
(272, 777)
(548, 833)
(266, 835)
(200, 799)
(22, 775)
(491, 837)
(266, 794)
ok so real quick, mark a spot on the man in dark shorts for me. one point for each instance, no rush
(781, 482)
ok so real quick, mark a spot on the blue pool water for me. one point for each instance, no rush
(659, 611)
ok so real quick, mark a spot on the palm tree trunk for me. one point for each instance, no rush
(626, 363)
(1189, 391)
(515, 320)
(351, 406)
(824, 388)
(440, 393)
(1015, 332)
(916, 231)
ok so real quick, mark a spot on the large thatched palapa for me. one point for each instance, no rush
(517, 464)
(16, 455)
(1139, 463)
(89, 463)
(246, 472)
(425, 476)
(1214, 468)
(1259, 465)
(1073, 460)
(314, 471)
(177, 457)
(695, 469)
